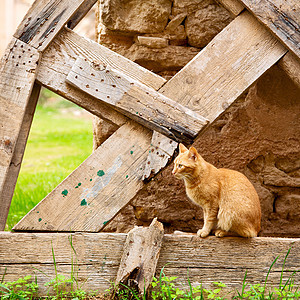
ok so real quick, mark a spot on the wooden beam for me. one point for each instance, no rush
(226, 67)
(46, 18)
(291, 65)
(96, 191)
(135, 100)
(17, 75)
(234, 6)
(57, 61)
(202, 260)
(281, 17)
(17, 157)
(140, 255)
(222, 71)
(80, 13)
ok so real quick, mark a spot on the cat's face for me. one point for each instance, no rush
(186, 162)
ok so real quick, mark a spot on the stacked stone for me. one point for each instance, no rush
(161, 35)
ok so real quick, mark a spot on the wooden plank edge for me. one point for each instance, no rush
(234, 6)
(290, 64)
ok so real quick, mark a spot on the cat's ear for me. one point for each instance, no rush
(193, 154)
(182, 148)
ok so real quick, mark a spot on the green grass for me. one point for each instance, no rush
(58, 143)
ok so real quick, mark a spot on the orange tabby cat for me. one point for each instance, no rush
(228, 199)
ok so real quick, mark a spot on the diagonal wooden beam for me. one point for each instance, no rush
(215, 78)
(57, 62)
(281, 17)
(137, 101)
(17, 76)
(46, 18)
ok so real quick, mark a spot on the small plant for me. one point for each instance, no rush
(23, 288)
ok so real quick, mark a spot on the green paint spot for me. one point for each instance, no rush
(83, 202)
(105, 222)
(131, 152)
(100, 173)
(64, 192)
(37, 212)
(91, 179)
(137, 112)
(40, 219)
(78, 185)
(126, 176)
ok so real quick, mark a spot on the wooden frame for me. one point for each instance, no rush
(248, 49)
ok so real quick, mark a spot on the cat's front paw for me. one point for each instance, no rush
(202, 233)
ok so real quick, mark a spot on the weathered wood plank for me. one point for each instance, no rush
(161, 151)
(226, 67)
(135, 100)
(204, 260)
(17, 74)
(95, 192)
(234, 6)
(281, 17)
(57, 62)
(291, 65)
(46, 18)
(222, 71)
(80, 13)
(140, 255)
(13, 170)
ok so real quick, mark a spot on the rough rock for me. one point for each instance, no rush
(160, 59)
(189, 6)
(153, 42)
(147, 16)
(202, 25)
(175, 22)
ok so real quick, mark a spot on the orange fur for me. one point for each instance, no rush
(228, 199)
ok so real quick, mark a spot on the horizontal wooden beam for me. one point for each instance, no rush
(136, 100)
(281, 17)
(99, 254)
(57, 62)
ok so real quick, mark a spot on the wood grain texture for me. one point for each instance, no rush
(135, 100)
(160, 153)
(291, 65)
(234, 6)
(226, 67)
(222, 71)
(98, 189)
(80, 13)
(17, 74)
(140, 255)
(281, 17)
(46, 18)
(57, 61)
(14, 167)
(99, 255)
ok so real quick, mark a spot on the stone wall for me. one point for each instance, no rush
(259, 135)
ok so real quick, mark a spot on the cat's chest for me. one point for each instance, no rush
(198, 195)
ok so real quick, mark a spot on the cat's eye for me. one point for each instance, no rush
(180, 166)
